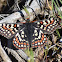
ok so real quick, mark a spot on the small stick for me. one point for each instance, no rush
(15, 54)
(23, 55)
(3, 54)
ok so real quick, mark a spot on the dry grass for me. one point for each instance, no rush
(2, 3)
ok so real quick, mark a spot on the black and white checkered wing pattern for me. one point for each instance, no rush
(39, 38)
(9, 30)
(20, 41)
(48, 26)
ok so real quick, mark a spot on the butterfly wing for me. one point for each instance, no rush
(30, 36)
(20, 41)
(41, 29)
(9, 30)
(39, 39)
(48, 26)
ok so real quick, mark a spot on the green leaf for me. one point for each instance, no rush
(53, 7)
(56, 3)
(30, 54)
(60, 1)
(58, 33)
(46, 50)
(26, 10)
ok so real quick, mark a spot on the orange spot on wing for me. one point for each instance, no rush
(9, 26)
(11, 31)
(4, 27)
(24, 43)
(36, 46)
(46, 38)
(8, 29)
(27, 44)
(45, 41)
(33, 43)
(50, 23)
(41, 22)
(36, 41)
(19, 47)
(21, 43)
(13, 41)
(16, 39)
(42, 38)
(15, 25)
(15, 45)
(42, 35)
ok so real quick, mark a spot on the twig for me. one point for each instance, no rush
(1, 16)
(51, 47)
(4, 55)
(53, 38)
(16, 16)
(17, 54)
(59, 45)
(14, 53)
(11, 18)
(49, 5)
(55, 45)
(15, 6)
(23, 55)
(16, 3)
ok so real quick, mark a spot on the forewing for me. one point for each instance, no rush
(48, 26)
(9, 30)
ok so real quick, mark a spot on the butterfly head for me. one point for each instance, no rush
(27, 20)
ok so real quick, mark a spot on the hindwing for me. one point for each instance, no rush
(20, 41)
(39, 38)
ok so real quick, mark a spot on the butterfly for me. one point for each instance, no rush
(29, 34)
